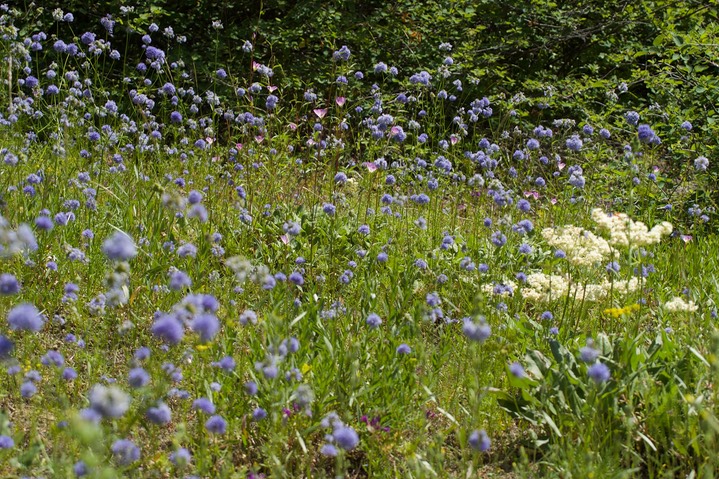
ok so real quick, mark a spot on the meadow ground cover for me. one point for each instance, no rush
(385, 278)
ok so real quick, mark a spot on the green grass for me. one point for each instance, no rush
(414, 413)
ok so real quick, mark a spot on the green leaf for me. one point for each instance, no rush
(647, 441)
(551, 424)
(699, 355)
(537, 364)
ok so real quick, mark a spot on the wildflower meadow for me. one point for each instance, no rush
(377, 272)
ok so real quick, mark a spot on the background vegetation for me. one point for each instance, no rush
(658, 47)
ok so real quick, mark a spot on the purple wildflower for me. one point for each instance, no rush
(479, 441)
(25, 317)
(216, 425)
(119, 247)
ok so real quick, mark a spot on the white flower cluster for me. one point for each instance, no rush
(582, 247)
(543, 287)
(679, 305)
(623, 231)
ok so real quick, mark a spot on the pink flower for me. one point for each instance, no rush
(285, 239)
(238, 146)
(561, 166)
(259, 138)
(454, 139)
(554, 201)
(535, 194)
(340, 100)
(371, 167)
(320, 112)
(293, 126)
(271, 88)
(687, 238)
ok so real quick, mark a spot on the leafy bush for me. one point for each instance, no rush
(647, 404)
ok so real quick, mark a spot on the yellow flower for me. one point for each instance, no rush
(617, 312)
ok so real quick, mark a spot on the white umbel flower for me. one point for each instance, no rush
(582, 247)
(679, 305)
(624, 232)
(544, 288)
